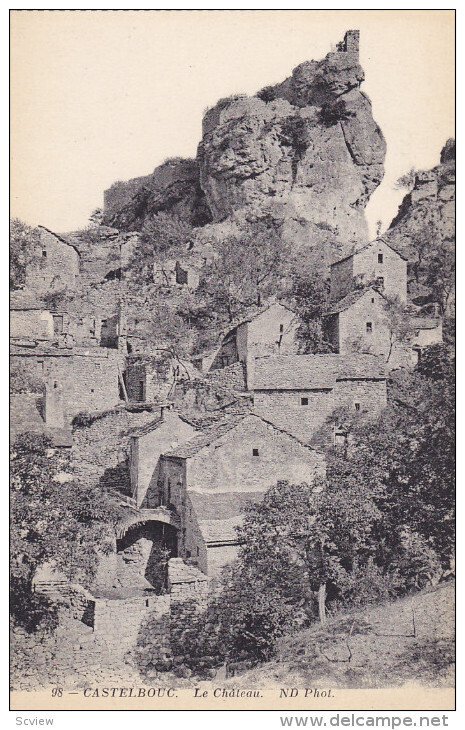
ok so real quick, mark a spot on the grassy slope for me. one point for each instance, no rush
(384, 652)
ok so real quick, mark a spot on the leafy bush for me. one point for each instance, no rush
(333, 112)
(267, 94)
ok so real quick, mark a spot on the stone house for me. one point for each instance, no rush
(55, 265)
(375, 263)
(30, 319)
(359, 323)
(209, 479)
(272, 330)
(147, 444)
(365, 321)
(84, 381)
(300, 393)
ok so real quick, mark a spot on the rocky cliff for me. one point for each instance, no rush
(307, 151)
(424, 231)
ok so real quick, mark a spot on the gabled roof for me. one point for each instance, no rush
(216, 431)
(350, 299)
(211, 434)
(256, 314)
(425, 323)
(361, 248)
(314, 372)
(156, 423)
(62, 239)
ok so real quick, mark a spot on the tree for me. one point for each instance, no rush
(406, 181)
(23, 240)
(162, 237)
(54, 519)
(249, 267)
(310, 298)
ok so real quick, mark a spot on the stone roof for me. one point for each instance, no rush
(314, 372)
(192, 447)
(220, 531)
(217, 430)
(66, 239)
(367, 245)
(256, 314)
(349, 300)
(425, 323)
(155, 423)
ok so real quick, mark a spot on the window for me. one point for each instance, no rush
(380, 282)
(369, 327)
(380, 258)
(181, 275)
(357, 406)
(372, 300)
(224, 360)
(304, 401)
(281, 328)
(255, 452)
(44, 254)
(57, 324)
(92, 390)
(198, 552)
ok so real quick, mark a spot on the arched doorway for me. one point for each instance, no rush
(143, 551)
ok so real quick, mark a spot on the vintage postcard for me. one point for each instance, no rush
(232, 375)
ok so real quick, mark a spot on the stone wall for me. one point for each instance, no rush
(230, 464)
(31, 323)
(100, 452)
(342, 274)
(305, 420)
(55, 265)
(146, 449)
(88, 381)
(353, 326)
(118, 621)
(393, 269)
(285, 409)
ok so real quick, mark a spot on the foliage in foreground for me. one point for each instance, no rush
(54, 520)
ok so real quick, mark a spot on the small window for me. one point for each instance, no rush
(380, 282)
(304, 401)
(255, 452)
(281, 328)
(57, 324)
(92, 390)
(44, 254)
(369, 327)
(380, 258)
(372, 300)
(198, 552)
(55, 384)
(357, 406)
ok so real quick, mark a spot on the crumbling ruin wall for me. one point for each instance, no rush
(100, 449)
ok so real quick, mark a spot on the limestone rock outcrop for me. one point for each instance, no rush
(307, 151)
(424, 231)
(173, 187)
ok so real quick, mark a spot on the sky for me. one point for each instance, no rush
(103, 96)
